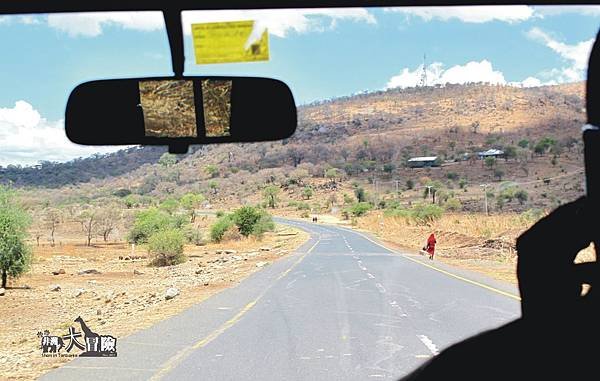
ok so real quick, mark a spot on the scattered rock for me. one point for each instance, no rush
(199, 271)
(229, 251)
(78, 292)
(2, 291)
(236, 258)
(58, 272)
(126, 258)
(261, 264)
(109, 297)
(99, 312)
(206, 283)
(92, 281)
(171, 293)
(54, 287)
(90, 271)
(264, 248)
(137, 272)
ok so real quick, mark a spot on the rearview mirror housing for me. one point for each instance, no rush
(180, 111)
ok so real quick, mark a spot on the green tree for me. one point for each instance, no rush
(131, 201)
(388, 168)
(212, 170)
(360, 209)
(271, 193)
(490, 161)
(498, 174)
(52, 219)
(307, 193)
(148, 222)
(510, 152)
(218, 229)
(410, 184)
(190, 202)
(15, 255)
(332, 174)
(166, 247)
(521, 196)
(167, 159)
(361, 195)
(170, 205)
(523, 143)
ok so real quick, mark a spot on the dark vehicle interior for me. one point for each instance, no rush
(286, 227)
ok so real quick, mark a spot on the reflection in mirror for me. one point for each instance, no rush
(168, 107)
(216, 100)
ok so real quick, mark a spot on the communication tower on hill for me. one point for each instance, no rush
(423, 77)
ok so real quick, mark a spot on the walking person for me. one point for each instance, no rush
(430, 246)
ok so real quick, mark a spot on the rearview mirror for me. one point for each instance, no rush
(180, 111)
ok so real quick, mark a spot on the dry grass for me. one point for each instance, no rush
(474, 241)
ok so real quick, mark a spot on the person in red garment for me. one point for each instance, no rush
(430, 247)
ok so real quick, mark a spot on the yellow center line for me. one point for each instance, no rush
(490, 288)
(185, 352)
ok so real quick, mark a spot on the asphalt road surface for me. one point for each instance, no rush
(341, 308)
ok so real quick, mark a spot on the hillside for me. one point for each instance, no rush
(368, 139)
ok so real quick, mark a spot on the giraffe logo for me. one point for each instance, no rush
(91, 343)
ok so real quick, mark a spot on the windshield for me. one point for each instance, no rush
(380, 233)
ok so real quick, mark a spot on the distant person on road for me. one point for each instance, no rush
(430, 246)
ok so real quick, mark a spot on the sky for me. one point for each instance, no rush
(319, 53)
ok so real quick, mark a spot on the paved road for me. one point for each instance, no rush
(341, 308)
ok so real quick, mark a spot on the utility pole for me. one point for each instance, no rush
(484, 186)
(428, 190)
(397, 182)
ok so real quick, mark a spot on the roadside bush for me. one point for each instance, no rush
(232, 234)
(264, 224)
(453, 204)
(248, 220)
(245, 218)
(532, 215)
(426, 213)
(193, 235)
(165, 248)
(302, 206)
(360, 209)
(218, 229)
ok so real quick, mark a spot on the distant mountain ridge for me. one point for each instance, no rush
(403, 121)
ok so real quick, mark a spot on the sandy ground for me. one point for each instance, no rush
(122, 296)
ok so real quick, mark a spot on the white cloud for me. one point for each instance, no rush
(280, 22)
(470, 14)
(91, 24)
(557, 10)
(471, 72)
(576, 56)
(27, 138)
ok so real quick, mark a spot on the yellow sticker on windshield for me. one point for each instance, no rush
(235, 41)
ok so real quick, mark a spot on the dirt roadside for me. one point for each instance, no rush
(118, 296)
